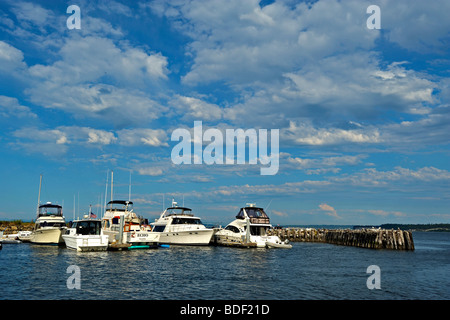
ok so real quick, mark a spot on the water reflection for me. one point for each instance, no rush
(307, 271)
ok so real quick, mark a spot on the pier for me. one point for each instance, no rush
(365, 238)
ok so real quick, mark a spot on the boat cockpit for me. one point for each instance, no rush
(48, 209)
(119, 205)
(256, 215)
(87, 227)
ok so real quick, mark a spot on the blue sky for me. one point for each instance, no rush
(363, 114)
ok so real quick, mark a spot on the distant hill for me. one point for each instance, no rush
(441, 227)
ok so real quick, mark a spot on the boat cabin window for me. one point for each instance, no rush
(88, 227)
(232, 229)
(50, 210)
(50, 224)
(115, 220)
(186, 221)
(256, 215)
(105, 224)
(158, 228)
(258, 231)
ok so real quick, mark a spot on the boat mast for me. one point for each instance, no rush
(129, 189)
(106, 193)
(112, 178)
(39, 195)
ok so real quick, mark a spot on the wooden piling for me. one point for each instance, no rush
(364, 238)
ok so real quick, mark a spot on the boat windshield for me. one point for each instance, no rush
(256, 215)
(119, 205)
(186, 221)
(87, 227)
(50, 210)
(179, 211)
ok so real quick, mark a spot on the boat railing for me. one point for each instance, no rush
(256, 220)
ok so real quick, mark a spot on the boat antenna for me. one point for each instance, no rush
(106, 191)
(267, 208)
(39, 195)
(129, 189)
(74, 207)
(112, 178)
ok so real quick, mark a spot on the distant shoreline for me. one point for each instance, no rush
(430, 227)
(435, 227)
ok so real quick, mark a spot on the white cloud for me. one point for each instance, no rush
(417, 25)
(329, 210)
(279, 213)
(67, 135)
(305, 134)
(90, 58)
(100, 137)
(150, 171)
(111, 104)
(324, 164)
(242, 43)
(147, 137)
(50, 135)
(94, 77)
(10, 107)
(11, 59)
(371, 177)
(31, 13)
(196, 109)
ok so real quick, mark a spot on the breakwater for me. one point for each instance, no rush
(365, 238)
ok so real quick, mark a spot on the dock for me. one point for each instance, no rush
(364, 238)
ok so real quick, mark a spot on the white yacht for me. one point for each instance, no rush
(50, 225)
(249, 229)
(86, 235)
(177, 225)
(124, 227)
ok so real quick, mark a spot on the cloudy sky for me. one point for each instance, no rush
(363, 114)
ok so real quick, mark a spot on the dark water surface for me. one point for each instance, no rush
(307, 271)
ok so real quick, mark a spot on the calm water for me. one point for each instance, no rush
(307, 271)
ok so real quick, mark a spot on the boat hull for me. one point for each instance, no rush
(86, 242)
(133, 237)
(201, 237)
(47, 236)
(229, 239)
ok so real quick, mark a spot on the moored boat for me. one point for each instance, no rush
(86, 235)
(249, 229)
(178, 226)
(124, 227)
(50, 225)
